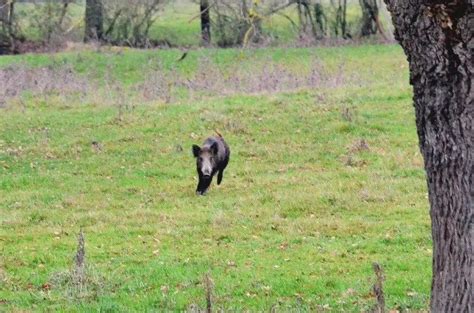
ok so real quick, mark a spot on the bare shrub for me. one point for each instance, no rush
(267, 76)
(129, 22)
(158, 84)
(235, 22)
(19, 81)
(93, 285)
(64, 85)
(82, 281)
(359, 145)
(116, 94)
(51, 19)
(240, 22)
(348, 114)
(352, 158)
(60, 82)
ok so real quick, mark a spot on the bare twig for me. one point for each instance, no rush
(378, 288)
(201, 13)
(63, 13)
(279, 8)
(209, 285)
(289, 19)
(80, 259)
(112, 23)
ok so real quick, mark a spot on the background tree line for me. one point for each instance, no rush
(223, 22)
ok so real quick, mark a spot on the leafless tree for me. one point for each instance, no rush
(129, 22)
(370, 12)
(316, 22)
(6, 14)
(235, 22)
(340, 22)
(437, 37)
(94, 20)
(49, 18)
(370, 18)
(241, 22)
(7, 34)
(205, 21)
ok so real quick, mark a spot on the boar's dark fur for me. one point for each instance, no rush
(211, 158)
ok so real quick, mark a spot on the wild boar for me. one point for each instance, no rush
(211, 158)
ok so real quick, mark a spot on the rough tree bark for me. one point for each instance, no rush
(305, 17)
(205, 22)
(341, 19)
(6, 27)
(437, 37)
(94, 20)
(6, 16)
(370, 13)
(320, 18)
(4, 12)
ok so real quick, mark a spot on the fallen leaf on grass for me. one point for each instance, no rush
(46, 286)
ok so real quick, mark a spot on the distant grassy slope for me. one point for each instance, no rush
(377, 64)
(304, 209)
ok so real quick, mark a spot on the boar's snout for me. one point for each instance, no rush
(206, 166)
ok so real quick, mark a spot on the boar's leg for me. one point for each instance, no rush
(221, 171)
(219, 176)
(203, 185)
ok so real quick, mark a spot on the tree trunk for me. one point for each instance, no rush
(4, 12)
(320, 18)
(343, 21)
(301, 17)
(438, 41)
(370, 13)
(7, 42)
(205, 22)
(6, 16)
(94, 20)
(309, 18)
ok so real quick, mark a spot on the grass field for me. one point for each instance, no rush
(325, 178)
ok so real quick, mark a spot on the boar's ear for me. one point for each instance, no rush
(214, 148)
(196, 150)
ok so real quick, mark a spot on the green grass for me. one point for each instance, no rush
(299, 219)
